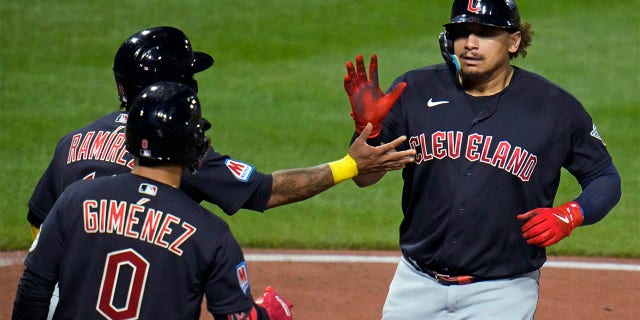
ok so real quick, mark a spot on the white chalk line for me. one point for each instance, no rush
(338, 258)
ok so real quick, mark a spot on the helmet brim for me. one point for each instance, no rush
(201, 61)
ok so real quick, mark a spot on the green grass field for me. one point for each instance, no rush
(275, 97)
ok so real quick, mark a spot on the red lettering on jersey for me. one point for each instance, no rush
(190, 230)
(114, 261)
(454, 144)
(121, 160)
(472, 147)
(103, 215)
(474, 8)
(165, 230)
(525, 174)
(516, 161)
(415, 144)
(75, 140)
(499, 158)
(111, 137)
(98, 144)
(83, 153)
(150, 225)
(103, 146)
(118, 143)
(437, 144)
(485, 149)
(478, 148)
(426, 156)
(90, 216)
(116, 216)
(132, 220)
(122, 218)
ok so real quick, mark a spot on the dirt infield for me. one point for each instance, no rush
(356, 290)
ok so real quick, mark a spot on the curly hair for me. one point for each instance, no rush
(526, 36)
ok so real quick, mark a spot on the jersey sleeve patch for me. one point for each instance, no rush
(148, 189)
(243, 276)
(240, 170)
(596, 134)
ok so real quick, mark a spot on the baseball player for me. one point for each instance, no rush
(134, 245)
(491, 139)
(98, 149)
(165, 54)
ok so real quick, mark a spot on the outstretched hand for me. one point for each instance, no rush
(368, 103)
(375, 159)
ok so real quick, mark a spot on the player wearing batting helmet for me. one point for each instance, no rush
(139, 231)
(165, 54)
(491, 139)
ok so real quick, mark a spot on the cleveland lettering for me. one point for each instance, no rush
(513, 159)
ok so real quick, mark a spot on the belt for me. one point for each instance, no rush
(442, 279)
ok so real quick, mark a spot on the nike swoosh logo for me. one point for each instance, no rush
(564, 219)
(432, 103)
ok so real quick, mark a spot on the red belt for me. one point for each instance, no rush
(443, 279)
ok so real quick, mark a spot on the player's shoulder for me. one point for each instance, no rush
(530, 81)
(108, 122)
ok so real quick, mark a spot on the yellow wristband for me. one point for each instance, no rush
(343, 169)
(34, 231)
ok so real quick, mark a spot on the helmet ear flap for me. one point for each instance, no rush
(446, 49)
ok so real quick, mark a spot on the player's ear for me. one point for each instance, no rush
(514, 42)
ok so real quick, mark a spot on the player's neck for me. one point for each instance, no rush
(169, 175)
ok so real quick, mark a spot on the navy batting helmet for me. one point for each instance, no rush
(496, 13)
(154, 55)
(165, 125)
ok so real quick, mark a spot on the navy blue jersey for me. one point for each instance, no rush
(478, 167)
(128, 246)
(98, 149)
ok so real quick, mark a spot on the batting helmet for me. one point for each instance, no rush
(496, 13)
(154, 55)
(165, 125)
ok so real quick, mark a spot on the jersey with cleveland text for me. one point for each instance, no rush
(480, 165)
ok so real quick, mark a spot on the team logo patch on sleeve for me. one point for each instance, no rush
(243, 276)
(240, 170)
(595, 134)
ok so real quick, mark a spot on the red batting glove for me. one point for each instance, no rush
(547, 226)
(368, 103)
(276, 306)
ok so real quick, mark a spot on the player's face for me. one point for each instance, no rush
(482, 50)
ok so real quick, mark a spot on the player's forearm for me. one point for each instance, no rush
(32, 297)
(294, 185)
(600, 195)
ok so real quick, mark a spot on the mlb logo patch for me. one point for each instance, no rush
(243, 276)
(122, 118)
(148, 189)
(240, 170)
